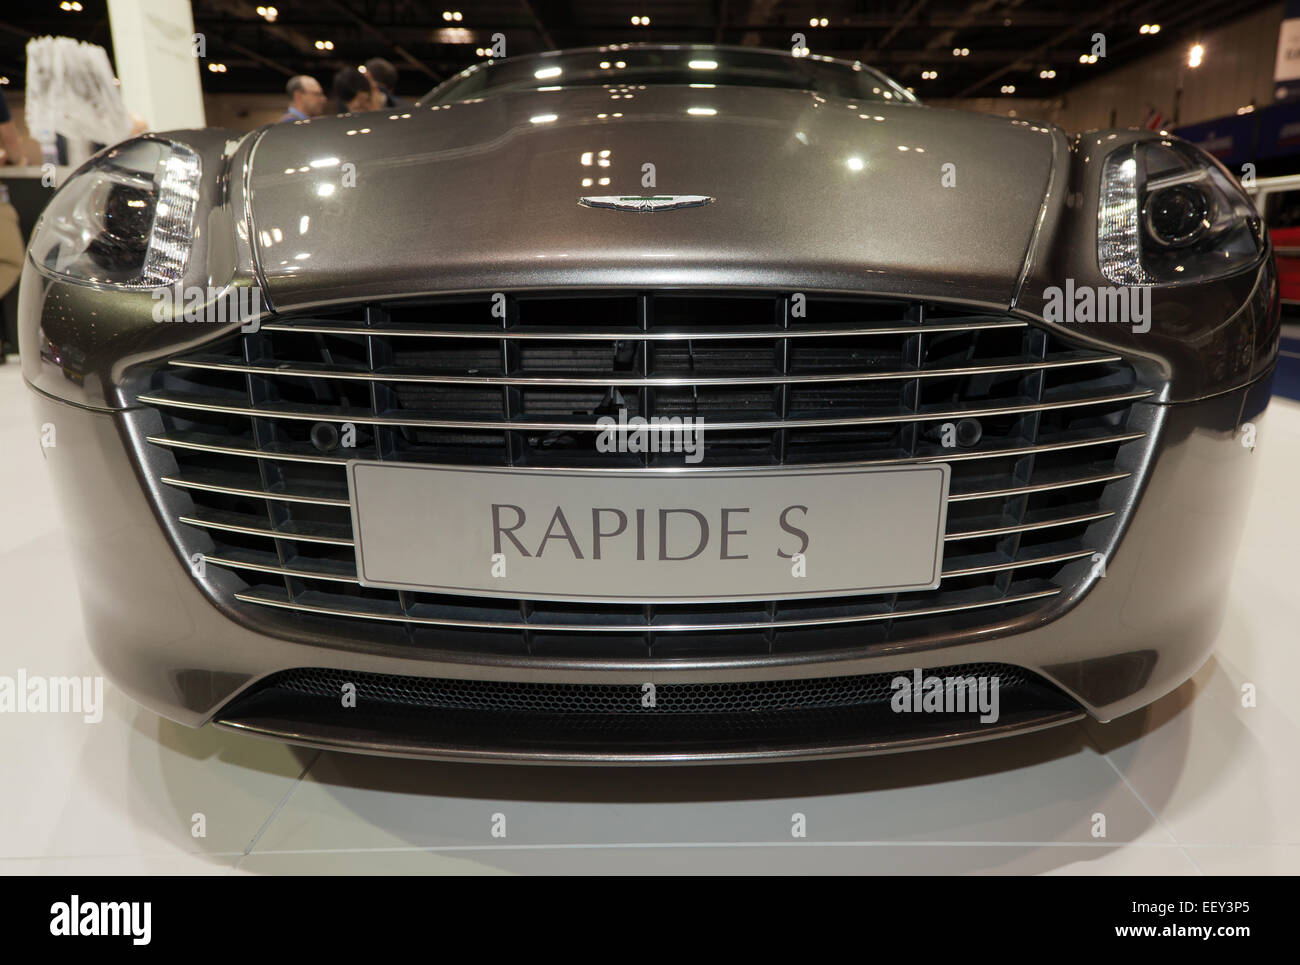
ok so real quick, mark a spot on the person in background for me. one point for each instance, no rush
(384, 76)
(353, 92)
(306, 99)
(11, 235)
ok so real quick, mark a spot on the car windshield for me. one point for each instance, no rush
(672, 65)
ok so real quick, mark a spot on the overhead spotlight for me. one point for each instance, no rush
(1145, 28)
(1046, 74)
(324, 45)
(961, 51)
(1155, 28)
(1008, 88)
(217, 68)
(1195, 55)
(929, 74)
(640, 21)
(72, 7)
(4, 81)
(268, 13)
(450, 15)
(1087, 58)
(1248, 109)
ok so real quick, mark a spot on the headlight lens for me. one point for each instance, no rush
(126, 220)
(1168, 215)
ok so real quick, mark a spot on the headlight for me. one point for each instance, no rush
(1169, 215)
(127, 219)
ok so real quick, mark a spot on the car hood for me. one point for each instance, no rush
(809, 192)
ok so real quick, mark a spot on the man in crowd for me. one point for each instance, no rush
(306, 99)
(384, 76)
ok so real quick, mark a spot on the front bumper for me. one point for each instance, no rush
(1137, 634)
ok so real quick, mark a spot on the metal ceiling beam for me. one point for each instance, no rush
(1085, 23)
(402, 53)
(905, 20)
(540, 27)
(254, 55)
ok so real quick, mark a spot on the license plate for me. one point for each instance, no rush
(647, 536)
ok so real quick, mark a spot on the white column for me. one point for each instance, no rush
(153, 51)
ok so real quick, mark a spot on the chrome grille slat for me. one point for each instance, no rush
(1030, 526)
(360, 416)
(305, 453)
(228, 483)
(199, 442)
(265, 562)
(1059, 481)
(306, 532)
(857, 382)
(395, 615)
(611, 334)
(775, 378)
(211, 482)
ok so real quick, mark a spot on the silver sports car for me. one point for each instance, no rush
(651, 404)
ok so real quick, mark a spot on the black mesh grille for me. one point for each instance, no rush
(692, 698)
(612, 719)
(1031, 499)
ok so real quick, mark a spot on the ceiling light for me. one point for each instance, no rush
(546, 72)
(1008, 88)
(703, 65)
(324, 45)
(702, 111)
(543, 118)
(1195, 55)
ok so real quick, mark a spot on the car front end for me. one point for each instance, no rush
(393, 498)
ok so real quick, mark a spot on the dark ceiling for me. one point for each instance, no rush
(1009, 41)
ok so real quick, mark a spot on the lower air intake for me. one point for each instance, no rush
(571, 721)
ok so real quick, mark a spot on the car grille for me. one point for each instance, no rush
(616, 721)
(246, 429)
